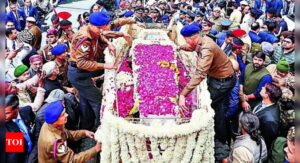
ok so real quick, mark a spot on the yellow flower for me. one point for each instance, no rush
(173, 99)
(135, 107)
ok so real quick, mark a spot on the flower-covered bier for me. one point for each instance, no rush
(124, 80)
(156, 81)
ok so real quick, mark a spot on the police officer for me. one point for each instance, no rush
(52, 142)
(87, 49)
(213, 63)
(139, 15)
(225, 23)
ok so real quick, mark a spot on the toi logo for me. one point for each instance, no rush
(14, 142)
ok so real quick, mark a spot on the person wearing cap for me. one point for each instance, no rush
(216, 18)
(182, 17)
(54, 22)
(36, 32)
(213, 63)
(52, 40)
(24, 84)
(286, 50)
(280, 73)
(84, 52)
(221, 36)
(139, 15)
(53, 138)
(207, 29)
(243, 4)
(36, 63)
(161, 8)
(236, 54)
(200, 16)
(190, 18)
(154, 16)
(60, 52)
(146, 14)
(248, 145)
(16, 16)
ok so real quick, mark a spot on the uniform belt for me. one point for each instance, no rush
(224, 79)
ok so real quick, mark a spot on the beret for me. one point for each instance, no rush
(237, 43)
(129, 13)
(226, 22)
(19, 70)
(283, 65)
(59, 49)
(53, 112)
(35, 58)
(189, 30)
(99, 19)
(65, 24)
(238, 32)
(207, 22)
(52, 32)
(30, 19)
(54, 18)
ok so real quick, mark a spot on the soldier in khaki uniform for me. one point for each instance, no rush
(45, 51)
(87, 49)
(216, 18)
(214, 64)
(52, 142)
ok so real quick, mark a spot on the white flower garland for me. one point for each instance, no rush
(179, 149)
(115, 145)
(168, 154)
(132, 149)
(191, 143)
(154, 149)
(140, 144)
(124, 148)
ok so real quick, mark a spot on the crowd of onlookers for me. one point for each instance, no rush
(257, 35)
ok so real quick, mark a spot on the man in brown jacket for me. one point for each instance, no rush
(214, 63)
(87, 57)
(36, 32)
(52, 143)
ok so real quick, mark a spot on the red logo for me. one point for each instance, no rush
(14, 142)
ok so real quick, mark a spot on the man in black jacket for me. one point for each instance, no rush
(18, 120)
(268, 113)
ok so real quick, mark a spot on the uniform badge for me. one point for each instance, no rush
(62, 148)
(84, 48)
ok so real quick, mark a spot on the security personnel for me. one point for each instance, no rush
(214, 63)
(207, 29)
(87, 49)
(225, 23)
(191, 17)
(60, 52)
(139, 15)
(154, 17)
(217, 18)
(52, 41)
(52, 142)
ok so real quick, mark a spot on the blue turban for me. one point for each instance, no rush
(189, 30)
(129, 13)
(59, 49)
(99, 19)
(53, 111)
